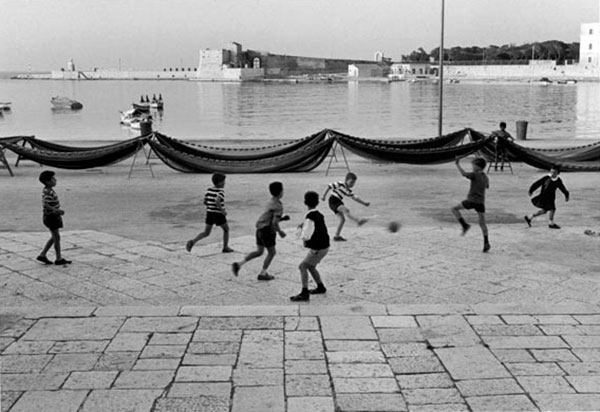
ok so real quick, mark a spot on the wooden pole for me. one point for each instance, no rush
(441, 74)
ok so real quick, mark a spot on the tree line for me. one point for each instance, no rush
(547, 50)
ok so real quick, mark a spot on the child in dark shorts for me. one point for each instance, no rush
(546, 199)
(336, 204)
(316, 239)
(475, 198)
(214, 200)
(52, 218)
(267, 228)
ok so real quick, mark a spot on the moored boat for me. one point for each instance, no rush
(5, 106)
(61, 102)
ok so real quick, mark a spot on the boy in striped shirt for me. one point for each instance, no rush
(338, 191)
(214, 200)
(52, 218)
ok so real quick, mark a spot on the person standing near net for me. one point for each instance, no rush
(545, 200)
(52, 218)
(475, 199)
(499, 149)
(339, 190)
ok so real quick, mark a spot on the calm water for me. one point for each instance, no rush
(249, 111)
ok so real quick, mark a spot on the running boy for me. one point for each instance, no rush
(52, 218)
(338, 191)
(316, 239)
(214, 200)
(267, 228)
(475, 198)
(545, 200)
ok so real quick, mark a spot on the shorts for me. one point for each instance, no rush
(266, 237)
(314, 257)
(53, 221)
(479, 207)
(214, 218)
(334, 203)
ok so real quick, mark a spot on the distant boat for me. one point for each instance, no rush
(5, 106)
(133, 116)
(61, 102)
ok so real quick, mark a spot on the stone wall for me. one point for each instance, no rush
(527, 72)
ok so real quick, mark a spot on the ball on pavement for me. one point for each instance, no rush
(393, 227)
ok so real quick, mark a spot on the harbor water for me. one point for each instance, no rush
(276, 111)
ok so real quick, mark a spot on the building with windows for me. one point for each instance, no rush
(589, 45)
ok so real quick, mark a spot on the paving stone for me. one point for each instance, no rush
(471, 362)
(232, 311)
(450, 330)
(170, 339)
(513, 355)
(159, 324)
(214, 347)
(136, 311)
(360, 402)
(24, 363)
(393, 350)
(244, 323)
(5, 342)
(556, 319)
(525, 342)
(154, 364)
(394, 321)
(259, 399)
(294, 323)
(400, 335)
(119, 400)
(8, 399)
(416, 364)
(80, 346)
(545, 384)
(262, 348)
(431, 396)
(355, 357)
(497, 403)
(484, 320)
(211, 335)
(587, 354)
(163, 351)
(303, 345)
(50, 401)
(567, 402)
(358, 309)
(28, 347)
(583, 341)
(554, 355)
(203, 403)
(74, 329)
(426, 380)
(128, 342)
(90, 380)
(519, 319)
(310, 403)
(581, 368)
(32, 381)
(351, 345)
(486, 387)
(347, 328)
(144, 379)
(203, 374)
(294, 367)
(258, 377)
(588, 319)
(445, 407)
(585, 384)
(534, 369)
(200, 389)
(360, 370)
(507, 330)
(365, 385)
(307, 385)
(120, 361)
(69, 362)
(209, 359)
(593, 330)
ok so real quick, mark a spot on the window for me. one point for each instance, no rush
(590, 46)
(591, 31)
(589, 59)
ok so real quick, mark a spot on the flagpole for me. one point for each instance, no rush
(441, 74)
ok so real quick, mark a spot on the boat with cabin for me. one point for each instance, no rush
(61, 102)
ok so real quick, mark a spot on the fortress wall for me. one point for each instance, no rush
(533, 72)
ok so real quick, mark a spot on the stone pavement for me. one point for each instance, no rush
(420, 320)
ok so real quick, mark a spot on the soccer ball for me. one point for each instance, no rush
(393, 227)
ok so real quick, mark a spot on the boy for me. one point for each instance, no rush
(316, 239)
(214, 200)
(52, 218)
(545, 200)
(336, 204)
(500, 151)
(475, 198)
(267, 228)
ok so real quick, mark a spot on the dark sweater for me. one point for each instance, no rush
(320, 237)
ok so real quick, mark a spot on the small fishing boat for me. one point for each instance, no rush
(134, 116)
(5, 106)
(61, 102)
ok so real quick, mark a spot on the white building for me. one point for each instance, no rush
(226, 65)
(367, 70)
(589, 45)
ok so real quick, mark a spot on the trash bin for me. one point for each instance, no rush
(145, 128)
(521, 129)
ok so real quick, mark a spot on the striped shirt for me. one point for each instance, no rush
(340, 189)
(211, 198)
(50, 201)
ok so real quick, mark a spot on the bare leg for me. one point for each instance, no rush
(56, 238)
(225, 228)
(482, 224)
(47, 247)
(190, 244)
(538, 213)
(315, 274)
(346, 212)
(271, 252)
(342, 220)
(551, 216)
(253, 255)
(304, 268)
(456, 212)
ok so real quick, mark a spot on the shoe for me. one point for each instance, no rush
(339, 239)
(486, 247)
(465, 229)
(553, 226)
(44, 260)
(189, 245)
(227, 250)
(318, 290)
(62, 261)
(300, 298)
(528, 220)
(362, 221)
(235, 268)
(265, 276)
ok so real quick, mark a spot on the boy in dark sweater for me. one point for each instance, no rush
(316, 239)
(475, 198)
(52, 218)
(545, 200)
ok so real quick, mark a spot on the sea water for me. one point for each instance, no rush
(276, 111)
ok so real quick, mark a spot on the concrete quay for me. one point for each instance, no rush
(420, 320)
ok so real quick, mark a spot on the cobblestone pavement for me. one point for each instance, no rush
(420, 320)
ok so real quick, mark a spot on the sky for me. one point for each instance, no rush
(157, 34)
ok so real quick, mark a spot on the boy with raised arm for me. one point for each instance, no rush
(339, 190)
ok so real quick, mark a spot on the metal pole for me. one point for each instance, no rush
(441, 74)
